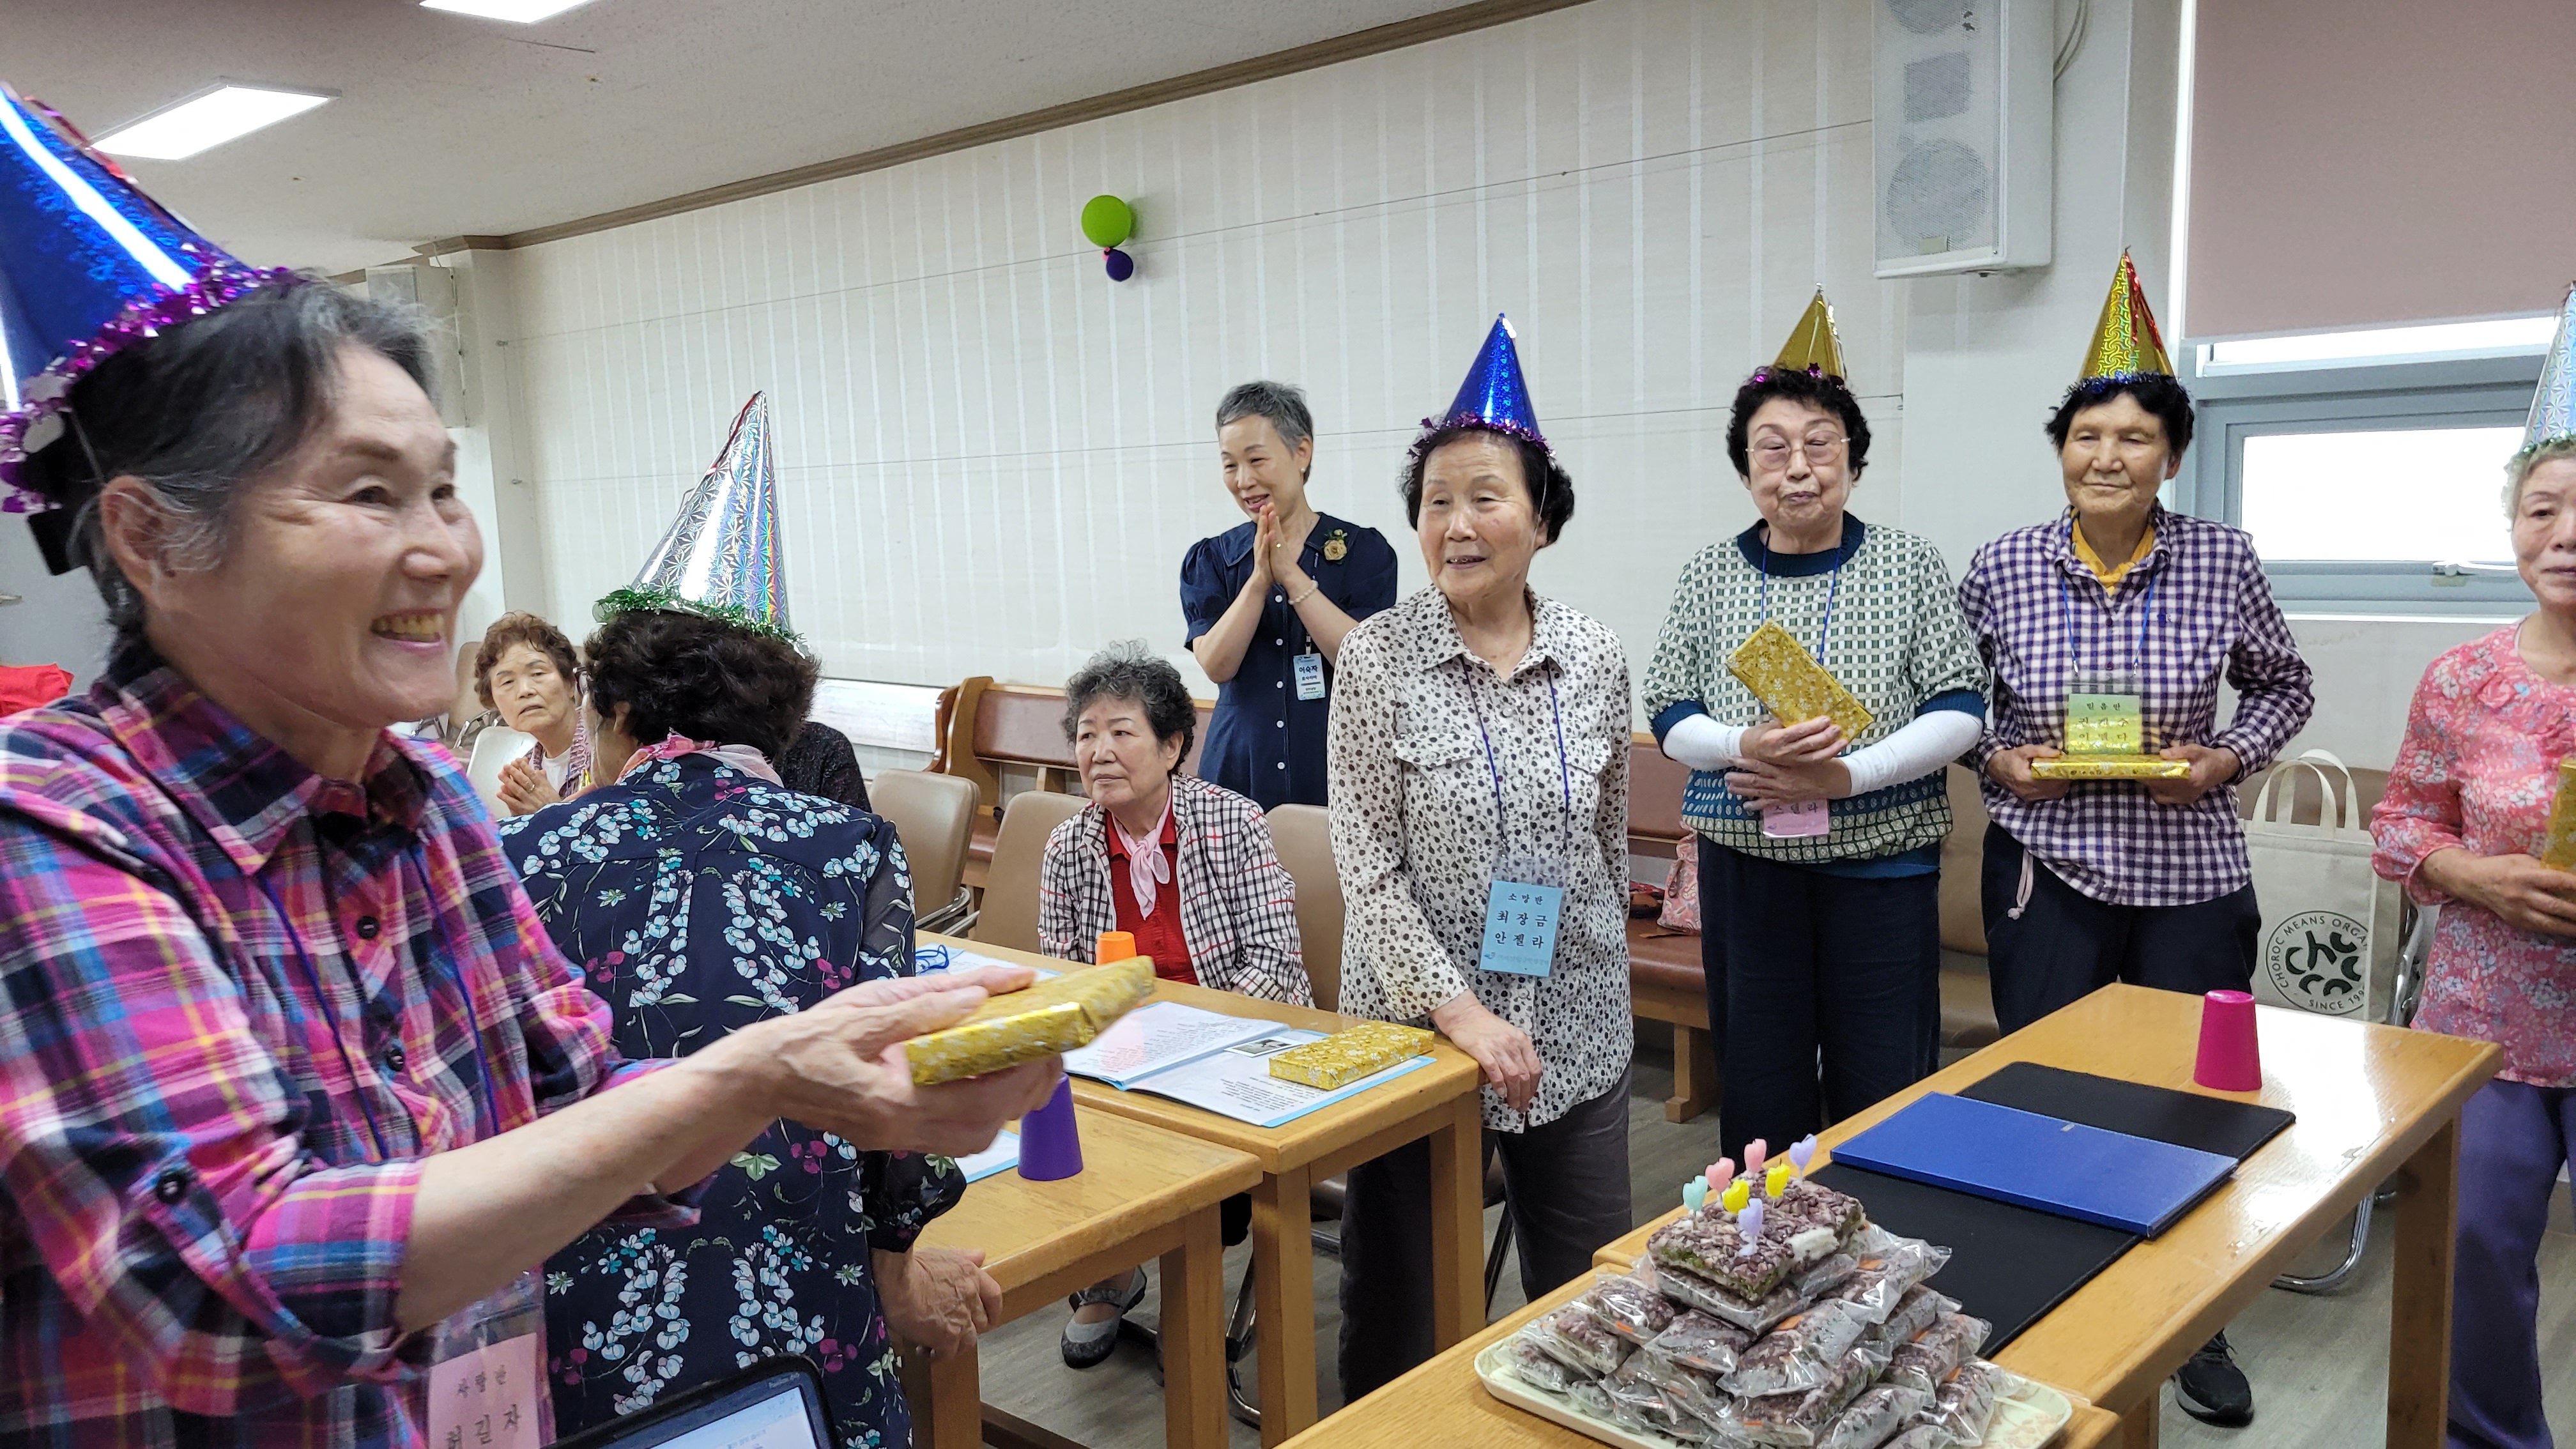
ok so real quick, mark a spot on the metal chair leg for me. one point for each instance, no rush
(2342, 1273)
(1239, 1329)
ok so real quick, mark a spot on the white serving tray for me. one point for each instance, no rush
(2028, 1413)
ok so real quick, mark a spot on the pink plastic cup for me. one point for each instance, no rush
(2230, 1060)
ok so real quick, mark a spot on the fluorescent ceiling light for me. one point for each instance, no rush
(525, 12)
(209, 118)
(2450, 339)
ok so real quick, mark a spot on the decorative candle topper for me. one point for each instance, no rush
(1720, 1173)
(1748, 1226)
(1754, 1152)
(1776, 1181)
(1694, 1192)
(1802, 1152)
(1738, 1196)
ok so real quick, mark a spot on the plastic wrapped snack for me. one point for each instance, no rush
(1799, 1354)
(1633, 1307)
(1701, 1341)
(1754, 1315)
(1639, 1402)
(1912, 1314)
(1927, 1359)
(1048, 1019)
(1796, 1420)
(1792, 685)
(1889, 1268)
(1873, 1418)
(1922, 1436)
(1589, 1396)
(1533, 1365)
(1707, 1243)
(1965, 1405)
(1346, 1056)
(1693, 1389)
(1577, 1336)
(1807, 1208)
(1817, 1279)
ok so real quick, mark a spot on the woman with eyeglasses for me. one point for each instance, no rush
(1819, 856)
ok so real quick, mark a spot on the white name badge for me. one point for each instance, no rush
(1795, 822)
(484, 1388)
(1310, 676)
(1520, 928)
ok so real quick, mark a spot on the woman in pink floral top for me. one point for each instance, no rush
(2466, 807)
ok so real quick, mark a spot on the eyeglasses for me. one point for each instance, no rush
(1774, 453)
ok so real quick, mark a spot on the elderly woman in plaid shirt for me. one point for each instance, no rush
(2091, 882)
(295, 1092)
(1185, 867)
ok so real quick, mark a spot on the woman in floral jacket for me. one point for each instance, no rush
(702, 896)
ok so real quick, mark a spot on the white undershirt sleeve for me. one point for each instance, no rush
(1920, 746)
(1703, 743)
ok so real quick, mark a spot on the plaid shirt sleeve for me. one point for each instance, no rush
(1256, 897)
(2274, 687)
(1069, 898)
(1973, 591)
(151, 1145)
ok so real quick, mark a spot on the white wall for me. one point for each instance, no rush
(992, 458)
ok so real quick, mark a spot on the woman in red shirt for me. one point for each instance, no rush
(1185, 867)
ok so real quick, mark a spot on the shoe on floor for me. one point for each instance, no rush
(1086, 1344)
(2212, 1389)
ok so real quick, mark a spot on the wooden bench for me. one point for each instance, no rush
(997, 736)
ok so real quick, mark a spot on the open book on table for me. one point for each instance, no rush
(1212, 1061)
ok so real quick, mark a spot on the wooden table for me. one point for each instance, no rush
(1442, 1405)
(2373, 1103)
(1142, 1192)
(1438, 1102)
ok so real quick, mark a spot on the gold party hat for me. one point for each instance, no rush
(2125, 341)
(1814, 345)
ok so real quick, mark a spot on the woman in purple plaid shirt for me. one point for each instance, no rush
(2096, 881)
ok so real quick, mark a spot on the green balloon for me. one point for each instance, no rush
(1107, 220)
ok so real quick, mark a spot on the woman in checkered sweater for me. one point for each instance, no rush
(1819, 856)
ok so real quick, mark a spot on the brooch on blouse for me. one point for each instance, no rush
(1337, 547)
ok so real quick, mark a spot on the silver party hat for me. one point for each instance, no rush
(2553, 405)
(720, 557)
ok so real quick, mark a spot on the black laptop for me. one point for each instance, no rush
(776, 1403)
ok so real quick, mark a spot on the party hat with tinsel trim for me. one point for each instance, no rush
(721, 556)
(1495, 396)
(89, 266)
(1815, 345)
(2125, 342)
(2553, 407)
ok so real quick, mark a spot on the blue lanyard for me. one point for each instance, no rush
(2110, 609)
(1833, 591)
(1565, 771)
(313, 978)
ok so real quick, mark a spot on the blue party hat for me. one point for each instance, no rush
(2553, 406)
(720, 557)
(89, 266)
(1495, 396)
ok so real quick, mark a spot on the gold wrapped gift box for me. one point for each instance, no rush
(2558, 847)
(1346, 1056)
(2111, 767)
(1792, 685)
(1048, 1019)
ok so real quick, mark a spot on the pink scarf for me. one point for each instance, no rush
(1146, 867)
(742, 757)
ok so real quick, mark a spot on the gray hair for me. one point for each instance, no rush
(1128, 670)
(204, 407)
(2517, 469)
(1283, 405)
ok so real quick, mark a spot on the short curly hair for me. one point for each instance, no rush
(1828, 393)
(1129, 670)
(1550, 487)
(2163, 396)
(528, 629)
(700, 678)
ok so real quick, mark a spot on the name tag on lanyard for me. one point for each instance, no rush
(1310, 676)
(483, 1384)
(1520, 927)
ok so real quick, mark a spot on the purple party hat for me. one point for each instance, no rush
(89, 266)
(720, 557)
(1495, 396)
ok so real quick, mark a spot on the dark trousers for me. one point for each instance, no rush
(1565, 1186)
(2054, 945)
(2513, 1139)
(1801, 966)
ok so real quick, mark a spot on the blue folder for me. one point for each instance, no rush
(2039, 1162)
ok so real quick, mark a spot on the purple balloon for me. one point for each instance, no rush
(1121, 265)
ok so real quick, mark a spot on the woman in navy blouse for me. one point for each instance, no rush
(1268, 602)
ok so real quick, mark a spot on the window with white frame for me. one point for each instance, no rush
(2368, 466)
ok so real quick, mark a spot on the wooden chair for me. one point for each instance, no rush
(1009, 914)
(933, 815)
(993, 735)
(1304, 837)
